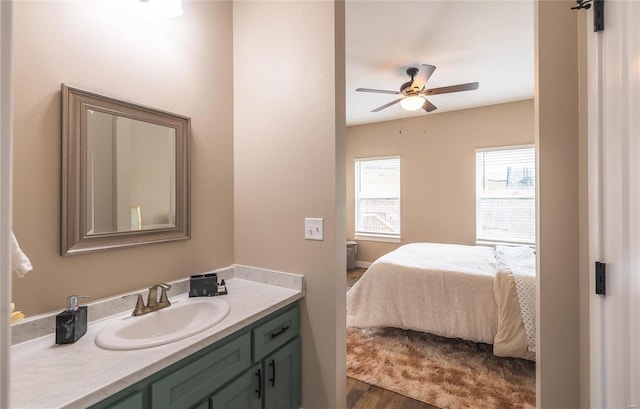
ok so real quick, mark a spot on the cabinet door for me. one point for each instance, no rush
(127, 399)
(133, 401)
(194, 382)
(245, 392)
(202, 405)
(282, 377)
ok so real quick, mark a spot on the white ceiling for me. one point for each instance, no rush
(486, 41)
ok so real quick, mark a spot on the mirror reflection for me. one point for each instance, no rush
(130, 174)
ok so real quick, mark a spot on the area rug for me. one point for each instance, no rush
(447, 373)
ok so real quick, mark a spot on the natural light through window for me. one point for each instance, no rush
(377, 198)
(506, 195)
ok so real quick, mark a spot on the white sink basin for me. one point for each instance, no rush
(182, 319)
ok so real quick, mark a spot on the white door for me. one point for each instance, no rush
(614, 201)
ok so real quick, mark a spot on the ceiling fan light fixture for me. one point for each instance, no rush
(412, 103)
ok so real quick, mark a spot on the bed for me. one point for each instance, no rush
(477, 293)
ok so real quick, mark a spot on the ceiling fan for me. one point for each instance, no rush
(413, 92)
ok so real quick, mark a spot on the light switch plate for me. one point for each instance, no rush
(313, 228)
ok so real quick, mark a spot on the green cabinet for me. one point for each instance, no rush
(257, 367)
(282, 377)
(276, 381)
(133, 401)
(202, 405)
(245, 392)
(186, 386)
(274, 333)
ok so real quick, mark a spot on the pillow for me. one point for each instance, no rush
(516, 259)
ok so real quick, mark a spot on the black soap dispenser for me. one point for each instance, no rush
(71, 324)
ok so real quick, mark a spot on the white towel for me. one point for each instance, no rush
(20, 263)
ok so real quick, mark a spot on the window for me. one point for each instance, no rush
(506, 195)
(377, 198)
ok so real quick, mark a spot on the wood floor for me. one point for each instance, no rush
(354, 275)
(361, 395)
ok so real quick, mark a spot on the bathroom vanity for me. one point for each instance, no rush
(256, 364)
(249, 359)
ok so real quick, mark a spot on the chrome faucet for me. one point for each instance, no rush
(152, 300)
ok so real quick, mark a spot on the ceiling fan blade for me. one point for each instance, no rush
(423, 76)
(387, 105)
(452, 88)
(428, 106)
(379, 91)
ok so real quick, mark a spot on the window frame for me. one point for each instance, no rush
(369, 235)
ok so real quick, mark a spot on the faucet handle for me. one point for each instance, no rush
(139, 308)
(152, 297)
(163, 295)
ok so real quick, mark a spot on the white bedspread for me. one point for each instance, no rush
(443, 289)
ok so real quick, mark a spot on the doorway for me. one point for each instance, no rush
(557, 139)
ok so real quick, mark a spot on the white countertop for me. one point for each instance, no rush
(46, 375)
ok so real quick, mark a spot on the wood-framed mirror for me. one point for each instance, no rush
(125, 174)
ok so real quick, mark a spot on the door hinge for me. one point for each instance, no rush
(598, 15)
(601, 278)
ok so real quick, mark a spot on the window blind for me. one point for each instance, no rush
(377, 197)
(505, 195)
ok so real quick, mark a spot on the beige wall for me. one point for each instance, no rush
(180, 65)
(557, 138)
(437, 154)
(289, 136)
